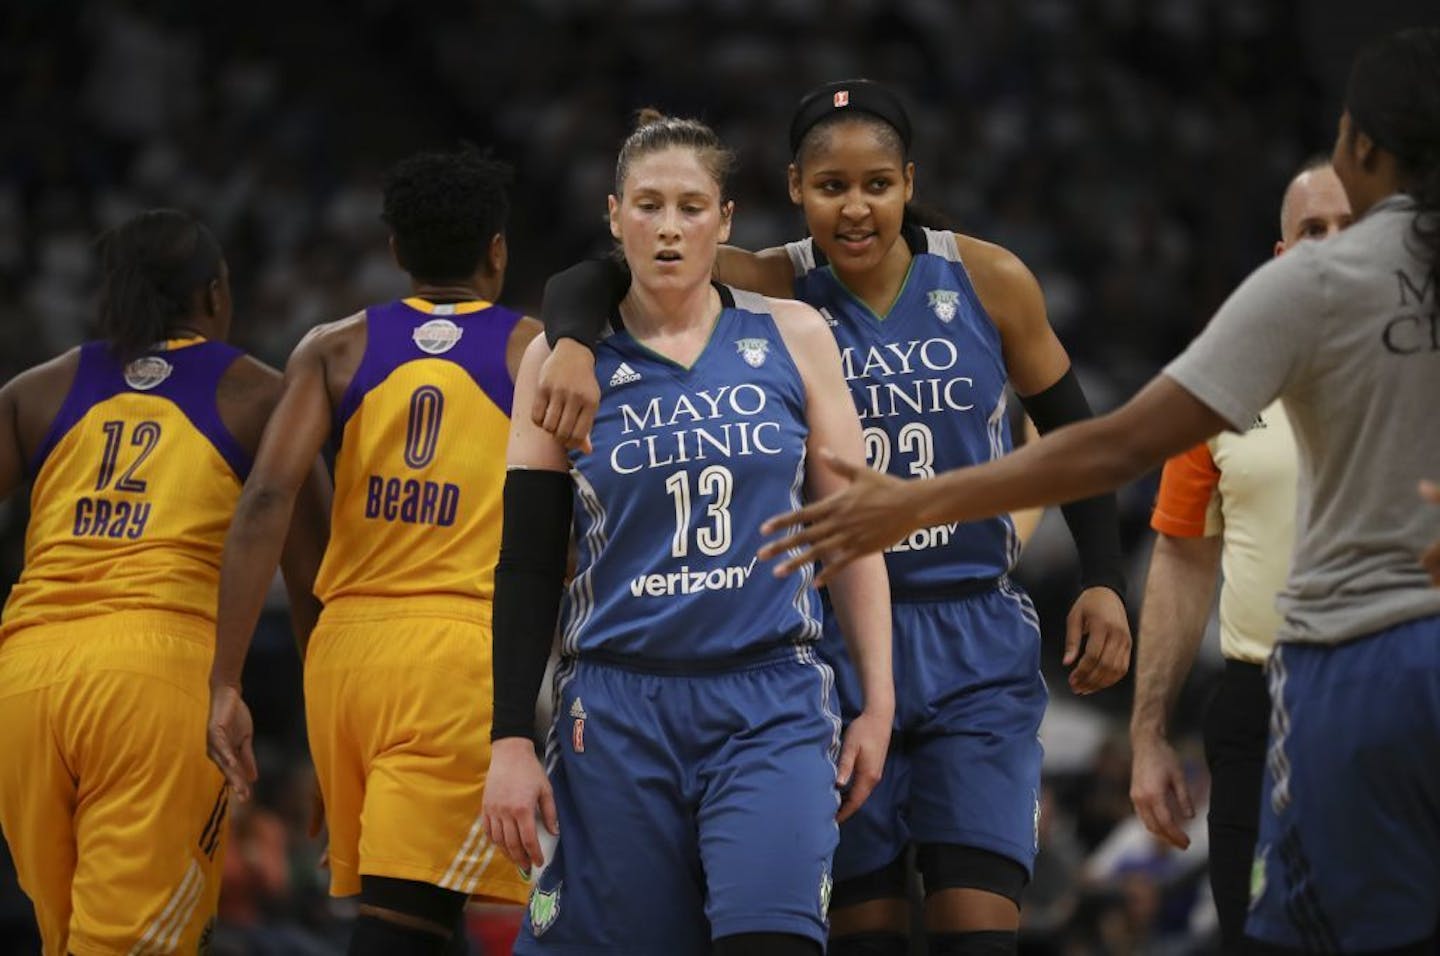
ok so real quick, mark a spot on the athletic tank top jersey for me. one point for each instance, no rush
(686, 464)
(133, 489)
(421, 461)
(929, 384)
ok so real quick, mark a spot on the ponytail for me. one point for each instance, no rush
(153, 264)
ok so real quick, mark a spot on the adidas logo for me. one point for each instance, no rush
(577, 709)
(624, 375)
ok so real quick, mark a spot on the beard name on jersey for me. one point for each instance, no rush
(685, 428)
(920, 394)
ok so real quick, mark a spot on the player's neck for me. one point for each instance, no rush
(468, 290)
(880, 286)
(684, 315)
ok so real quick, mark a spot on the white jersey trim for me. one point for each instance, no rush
(802, 256)
(941, 242)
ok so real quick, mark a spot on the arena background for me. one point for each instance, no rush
(1132, 152)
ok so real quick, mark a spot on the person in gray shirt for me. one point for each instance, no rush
(1346, 332)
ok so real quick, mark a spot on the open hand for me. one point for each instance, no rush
(871, 514)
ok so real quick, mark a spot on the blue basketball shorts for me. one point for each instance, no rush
(692, 807)
(1349, 852)
(964, 765)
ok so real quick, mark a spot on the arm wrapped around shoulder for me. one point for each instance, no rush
(1094, 522)
(529, 580)
(578, 301)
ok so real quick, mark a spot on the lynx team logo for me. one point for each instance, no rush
(944, 303)
(146, 373)
(753, 351)
(437, 336)
(544, 908)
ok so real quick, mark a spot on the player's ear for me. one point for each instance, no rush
(727, 216)
(613, 203)
(498, 255)
(792, 173)
(909, 176)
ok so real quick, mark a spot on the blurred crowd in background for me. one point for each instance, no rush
(1132, 152)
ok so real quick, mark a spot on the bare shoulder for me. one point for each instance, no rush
(250, 380)
(333, 340)
(807, 337)
(49, 378)
(33, 398)
(1006, 286)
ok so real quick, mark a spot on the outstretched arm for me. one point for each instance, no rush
(1076, 461)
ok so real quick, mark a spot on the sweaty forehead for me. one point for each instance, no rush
(850, 140)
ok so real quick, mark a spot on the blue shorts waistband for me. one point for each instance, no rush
(762, 656)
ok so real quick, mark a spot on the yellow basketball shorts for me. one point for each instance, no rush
(115, 818)
(398, 699)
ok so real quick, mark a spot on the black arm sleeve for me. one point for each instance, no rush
(579, 300)
(1094, 522)
(534, 548)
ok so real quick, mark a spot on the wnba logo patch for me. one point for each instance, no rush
(753, 351)
(577, 729)
(945, 303)
(145, 373)
(437, 336)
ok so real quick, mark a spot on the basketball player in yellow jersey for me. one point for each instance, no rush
(135, 447)
(417, 395)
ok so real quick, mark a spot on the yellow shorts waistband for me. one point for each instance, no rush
(355, 610)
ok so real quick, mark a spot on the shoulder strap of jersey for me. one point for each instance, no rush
(748, 301)
(940, 242)
(803, 256)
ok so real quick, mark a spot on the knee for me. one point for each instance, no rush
(949, 866)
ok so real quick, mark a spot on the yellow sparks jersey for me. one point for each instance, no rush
(133, 490)
(420, 469)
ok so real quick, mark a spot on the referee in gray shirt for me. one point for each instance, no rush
(1347, 332)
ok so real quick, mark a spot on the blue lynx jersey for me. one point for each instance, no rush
(686, 464)
(929, 385)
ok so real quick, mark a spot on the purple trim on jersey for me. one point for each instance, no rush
(390, 343)
(195, 371)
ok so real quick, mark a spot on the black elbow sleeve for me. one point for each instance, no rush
(529, 579)
(1094, 522)
(579, 300)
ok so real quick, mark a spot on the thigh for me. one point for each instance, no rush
(767, 813)
(1349, 848)
(151, 809)
(974, 748)
(37, 793)
(625, 874)
(407, 712)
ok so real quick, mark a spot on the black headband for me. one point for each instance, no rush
(865, 96)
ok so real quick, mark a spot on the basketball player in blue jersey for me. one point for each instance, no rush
(135, 446)
(416, 394)
(1346, 331)
(692, 758)
(932, 326)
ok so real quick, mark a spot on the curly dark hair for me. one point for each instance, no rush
(443, 209)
